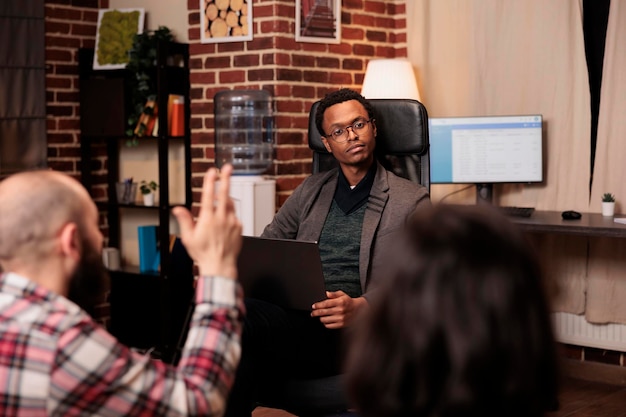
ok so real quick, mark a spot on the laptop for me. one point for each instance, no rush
(284, 272)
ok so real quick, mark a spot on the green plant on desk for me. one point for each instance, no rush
(608, 198)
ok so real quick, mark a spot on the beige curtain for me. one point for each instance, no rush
(499, 57)
(606, 296)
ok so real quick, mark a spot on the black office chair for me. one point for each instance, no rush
(402, 147)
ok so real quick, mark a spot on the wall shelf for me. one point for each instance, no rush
(148, 309)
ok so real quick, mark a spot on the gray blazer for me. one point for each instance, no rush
(392, 199)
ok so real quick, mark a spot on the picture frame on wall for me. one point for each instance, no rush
(114, 36)
(318, 21)
(225, 21)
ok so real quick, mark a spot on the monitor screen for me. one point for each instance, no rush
(487, 149)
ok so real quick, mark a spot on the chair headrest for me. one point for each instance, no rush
(402, 126)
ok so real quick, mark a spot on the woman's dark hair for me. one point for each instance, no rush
(336, 97)
(461, 327)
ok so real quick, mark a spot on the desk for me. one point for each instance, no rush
(599, 297)
(590, 224)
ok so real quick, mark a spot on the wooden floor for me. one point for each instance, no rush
(586, 399)
(578, 398)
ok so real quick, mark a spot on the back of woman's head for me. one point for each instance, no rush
(460, 328)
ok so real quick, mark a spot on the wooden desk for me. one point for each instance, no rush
(590, 224)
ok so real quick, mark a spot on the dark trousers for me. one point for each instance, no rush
(279, 344)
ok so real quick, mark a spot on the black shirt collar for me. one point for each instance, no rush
(349, 199)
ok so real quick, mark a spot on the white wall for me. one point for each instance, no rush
(171, 13)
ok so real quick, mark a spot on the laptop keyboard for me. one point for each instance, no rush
(513, 211)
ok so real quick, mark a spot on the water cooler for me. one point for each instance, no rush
(244, 137)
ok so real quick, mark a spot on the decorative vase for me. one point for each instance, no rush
(608, 209)
(148, 199)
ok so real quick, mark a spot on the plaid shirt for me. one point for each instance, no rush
(55, 360)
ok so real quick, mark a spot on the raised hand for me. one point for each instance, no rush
(213, 241)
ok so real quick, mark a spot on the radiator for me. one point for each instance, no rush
(575, 330)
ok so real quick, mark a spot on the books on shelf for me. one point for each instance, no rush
(152, 126)
(176, 115)
(155, 130)
(148, 125)
(150, 254)
(149, 259)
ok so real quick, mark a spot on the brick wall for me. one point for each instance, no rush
(69, 26)
(296, 73)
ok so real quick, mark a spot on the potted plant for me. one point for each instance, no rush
(147, 191)
(608, 204)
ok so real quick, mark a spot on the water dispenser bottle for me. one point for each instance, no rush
(244, 130)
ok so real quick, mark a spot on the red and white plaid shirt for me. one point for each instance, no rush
(55, 360)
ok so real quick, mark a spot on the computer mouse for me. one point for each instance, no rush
(571, 215)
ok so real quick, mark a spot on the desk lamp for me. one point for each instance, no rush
(390, 78)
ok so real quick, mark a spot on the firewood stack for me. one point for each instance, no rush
(226, 18)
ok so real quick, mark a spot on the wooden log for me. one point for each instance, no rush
(231, 19)
(236, 5)
(222, 4)
(219, 28)
(211, 11)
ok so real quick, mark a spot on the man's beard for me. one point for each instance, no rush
(90, 281)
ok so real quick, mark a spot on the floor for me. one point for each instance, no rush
(578, 399)
(591, 399)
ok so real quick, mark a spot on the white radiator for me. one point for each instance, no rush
(575, 330)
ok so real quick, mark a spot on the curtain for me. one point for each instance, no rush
(22, 86)
(504, 57)
(607, 259)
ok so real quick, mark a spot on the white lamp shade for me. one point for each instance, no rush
(390, 78)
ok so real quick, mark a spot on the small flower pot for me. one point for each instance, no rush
(148, 199)
(608, 209)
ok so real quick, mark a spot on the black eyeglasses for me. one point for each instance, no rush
(341, 135)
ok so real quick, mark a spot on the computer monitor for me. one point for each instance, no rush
(485, 150)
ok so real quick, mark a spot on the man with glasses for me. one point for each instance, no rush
(352, 211)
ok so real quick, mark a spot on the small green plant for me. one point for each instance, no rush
(147, 187)
(608, 198)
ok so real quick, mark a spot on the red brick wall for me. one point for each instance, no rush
(68, 28)
(296, 73)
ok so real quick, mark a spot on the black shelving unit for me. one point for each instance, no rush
(148, 310)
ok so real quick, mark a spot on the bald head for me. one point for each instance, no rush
(33, 208)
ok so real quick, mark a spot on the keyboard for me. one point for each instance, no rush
(513, 211)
